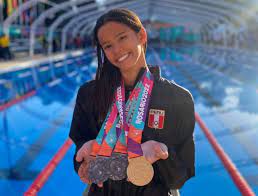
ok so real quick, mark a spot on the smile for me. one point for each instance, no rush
(123, 57)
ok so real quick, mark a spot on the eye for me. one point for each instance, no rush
(123, 37)
(107, 47)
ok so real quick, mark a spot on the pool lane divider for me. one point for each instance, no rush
(236, 176)
(17, 100)
(48, 170)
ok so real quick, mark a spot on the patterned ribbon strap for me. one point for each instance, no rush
(105, 128)
(116, 128)
(98, 171)
(139, 117)
(119, 159)
(125, 114)
(139, 171)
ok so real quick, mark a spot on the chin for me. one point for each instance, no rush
(126, 67)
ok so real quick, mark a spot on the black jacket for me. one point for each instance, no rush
(177, 134)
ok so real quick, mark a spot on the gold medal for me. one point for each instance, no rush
(139, 171)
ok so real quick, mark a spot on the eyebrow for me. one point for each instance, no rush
(115, 36)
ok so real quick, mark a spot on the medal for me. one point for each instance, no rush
(118, 164)
(98, 170)
(139, 171)
(119, 139)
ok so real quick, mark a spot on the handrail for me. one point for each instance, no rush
(71, 23)
(199, 6)
(68, 15)
(140, 9)
(192, 17)
(46, 14)
(180, 9)
(137, 9)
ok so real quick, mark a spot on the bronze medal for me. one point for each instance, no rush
(139, 171)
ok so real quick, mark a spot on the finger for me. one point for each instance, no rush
(79, 156)
(161, 151)
(80, 172)
(85, 180)
(161, 148)
(157, 149)
(164, 151)
(82, 169)
(164, 148)
(163, 156)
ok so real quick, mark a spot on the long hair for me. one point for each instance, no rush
(108, 76)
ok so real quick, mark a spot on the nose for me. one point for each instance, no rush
(116, 49)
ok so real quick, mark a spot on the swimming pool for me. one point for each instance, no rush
(225, 94)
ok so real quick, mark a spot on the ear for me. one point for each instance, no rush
(143, 35)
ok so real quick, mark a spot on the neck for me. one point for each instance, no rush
(130, 76)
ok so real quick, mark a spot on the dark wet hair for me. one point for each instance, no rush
(108, 76)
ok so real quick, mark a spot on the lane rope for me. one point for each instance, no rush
(48, 170)
(17, 100)
(236, 176)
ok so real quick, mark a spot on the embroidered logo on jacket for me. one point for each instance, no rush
(156, 119)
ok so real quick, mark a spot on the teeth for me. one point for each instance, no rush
(123, 58)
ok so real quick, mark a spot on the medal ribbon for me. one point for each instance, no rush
(125, 114)
(139, 117)
(110, 131)
(115, 129)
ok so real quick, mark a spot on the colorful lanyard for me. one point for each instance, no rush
(139, 117)
(122, 133)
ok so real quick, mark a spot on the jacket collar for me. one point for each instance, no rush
(155, 70)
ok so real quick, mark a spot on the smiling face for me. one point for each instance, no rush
(123, 46)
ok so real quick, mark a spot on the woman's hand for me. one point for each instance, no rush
(83, 154)
(83, 172)
(153, 151)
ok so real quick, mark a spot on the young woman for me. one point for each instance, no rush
(157, 118)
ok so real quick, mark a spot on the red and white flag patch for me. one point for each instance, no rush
(156, 119)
